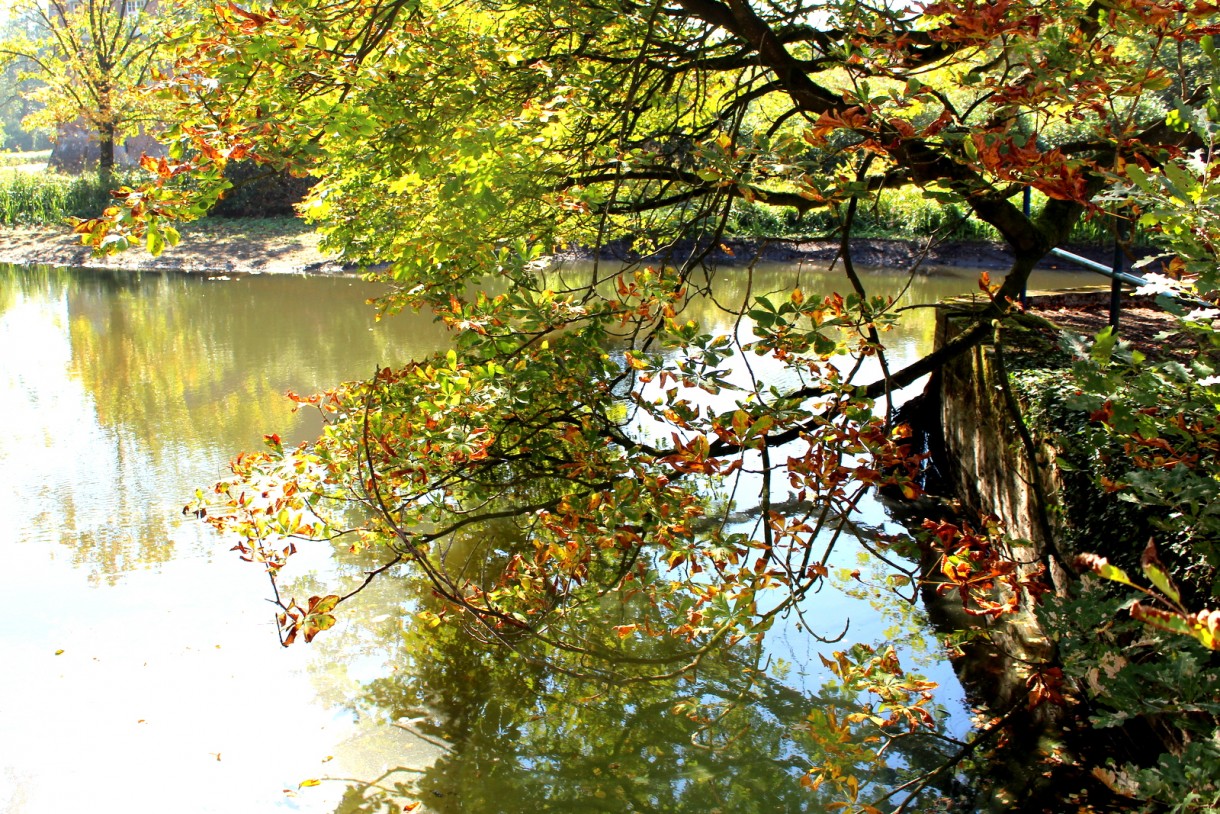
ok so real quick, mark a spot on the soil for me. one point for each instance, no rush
(285, 246)
(256, 246)
(1140, 321)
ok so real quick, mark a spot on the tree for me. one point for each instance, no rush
(90, 60)
(463, 144)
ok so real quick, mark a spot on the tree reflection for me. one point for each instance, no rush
(154, 380)
(522, 732)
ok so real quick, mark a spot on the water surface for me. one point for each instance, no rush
(142, 671)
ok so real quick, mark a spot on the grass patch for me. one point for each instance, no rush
(894, 214)
(22, 159)
(45, 198)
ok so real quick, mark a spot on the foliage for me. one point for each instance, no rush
(532, 112)
(258, 192)
(880, 705)
(609, 437)
(14, 104)
(1162, 414)
(1179, 200)
(1169, 613)
(1156, 692)
(1164, 422)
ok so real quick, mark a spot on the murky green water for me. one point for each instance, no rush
(121, 394)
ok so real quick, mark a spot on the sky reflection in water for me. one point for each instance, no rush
(122, 394)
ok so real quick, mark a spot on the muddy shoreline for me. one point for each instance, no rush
(208, 249)
(227, 248)
(867, 252)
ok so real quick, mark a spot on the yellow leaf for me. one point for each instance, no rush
(308, 783)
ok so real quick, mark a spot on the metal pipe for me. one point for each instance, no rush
(1092, 265)
(1116, 284)
(1026, 199)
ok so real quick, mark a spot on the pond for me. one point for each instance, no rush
(142, 670)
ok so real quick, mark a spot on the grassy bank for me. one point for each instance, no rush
(43, 198)
(46, 198)
(9, 159)
(902, 214)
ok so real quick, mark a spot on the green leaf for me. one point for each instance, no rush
(1136, 173)
(1102, 567)
(1103, 345)
(1155, 570)
(154, 243)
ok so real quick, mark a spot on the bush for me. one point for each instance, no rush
(260, 193)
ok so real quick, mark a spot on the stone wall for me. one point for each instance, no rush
(990, 471)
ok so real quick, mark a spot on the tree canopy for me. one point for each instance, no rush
(463, 143)
(583, 448)
(89, 61)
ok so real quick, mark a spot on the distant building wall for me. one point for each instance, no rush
(76, 149)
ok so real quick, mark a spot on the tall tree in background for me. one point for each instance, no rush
(15, 104)
(90, 60)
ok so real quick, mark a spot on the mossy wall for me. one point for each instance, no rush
(990, 470)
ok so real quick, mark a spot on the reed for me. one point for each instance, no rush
(41, 198)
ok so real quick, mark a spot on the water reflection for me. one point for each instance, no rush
(122, 394)
(140, 666)
(494, 731)
(131, 390)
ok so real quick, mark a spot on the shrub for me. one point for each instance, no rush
(260, 193)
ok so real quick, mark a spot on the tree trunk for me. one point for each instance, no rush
(105, 160)
(105, 130)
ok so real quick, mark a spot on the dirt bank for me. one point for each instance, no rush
(285, 246)
(865, 252)
(273, 246)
